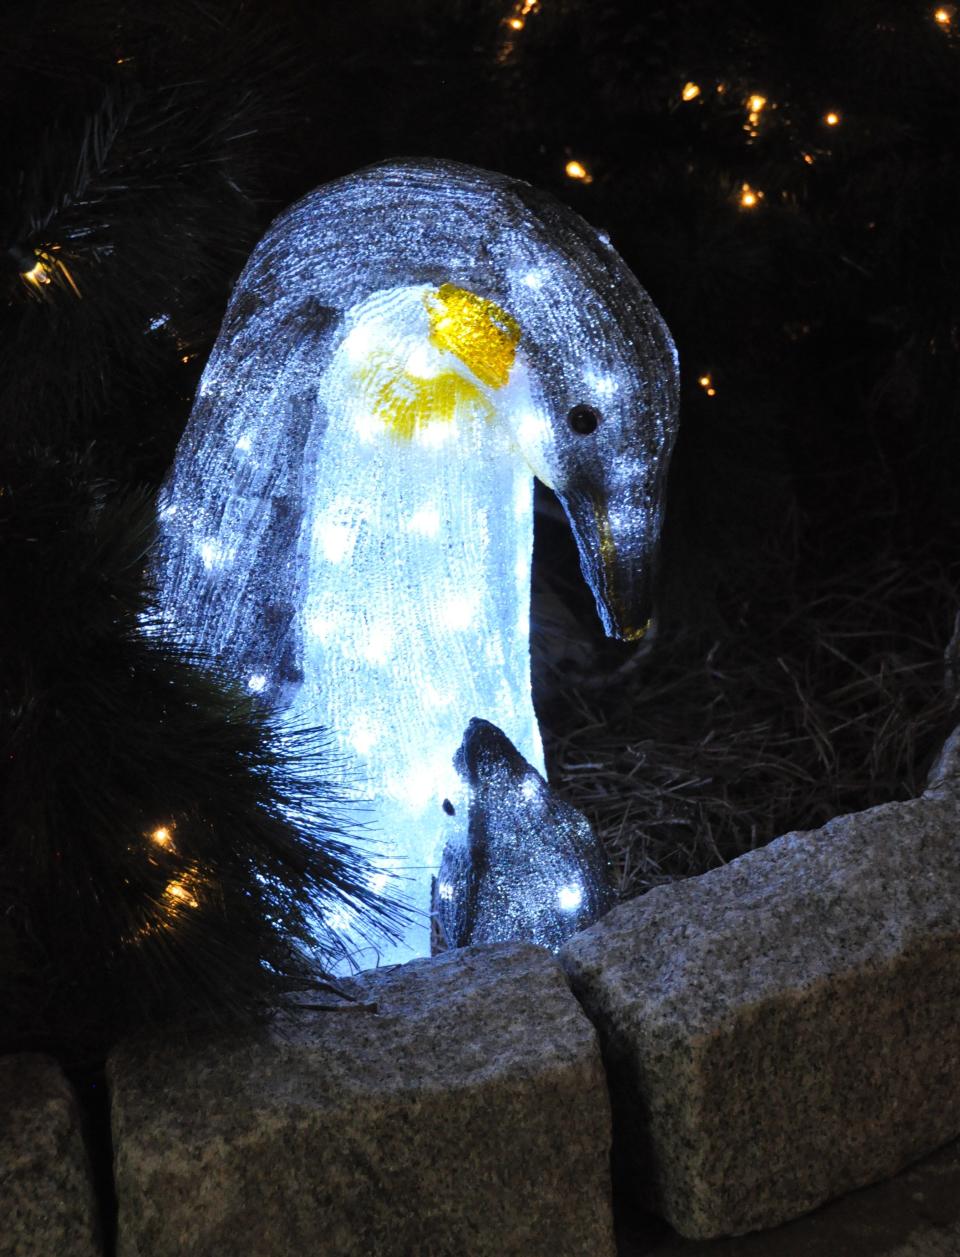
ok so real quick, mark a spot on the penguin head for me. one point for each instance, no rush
(601, 420)
(461, 299)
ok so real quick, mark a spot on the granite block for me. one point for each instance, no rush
(785, 1028)
(914, 1214)
(47, 1202)
(466, 1114)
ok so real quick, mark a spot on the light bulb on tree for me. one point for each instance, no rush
(44, 269)
(577, 171)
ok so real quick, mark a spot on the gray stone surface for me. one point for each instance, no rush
(467, 1116)
(914, 1214)
(47, 1203)
(784, 1029)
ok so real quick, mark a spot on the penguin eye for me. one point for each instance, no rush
(584, 419)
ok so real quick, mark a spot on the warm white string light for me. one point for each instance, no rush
(577, 171)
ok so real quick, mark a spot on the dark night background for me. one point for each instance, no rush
(805, 656)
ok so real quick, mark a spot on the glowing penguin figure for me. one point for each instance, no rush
(531, 866)
(348, 524)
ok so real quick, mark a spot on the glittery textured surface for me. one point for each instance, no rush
(476, 331)
(531, 867)
(377, 585)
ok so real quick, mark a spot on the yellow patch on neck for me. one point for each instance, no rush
(477, 331)
(407, 403)
(472, 329)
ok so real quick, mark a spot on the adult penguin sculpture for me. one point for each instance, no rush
(348, 524)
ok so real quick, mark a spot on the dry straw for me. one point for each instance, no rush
(696, 750)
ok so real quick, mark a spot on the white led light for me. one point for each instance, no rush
(434, 698)
(363, 734)
(602, 385)
(321, 626)
(211, 555)
(425, 522)
(569, 898)
(360, 342)
(417, 787)
(257, 683)
(378, 882)
(421, 363)
(379, 643)
(458, 611)
(367, 426)
(340, 919)
(337, 532)
(435, 435)
(533, 428)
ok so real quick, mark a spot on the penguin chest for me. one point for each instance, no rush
(416, 615)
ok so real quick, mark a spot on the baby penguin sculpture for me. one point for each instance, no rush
(348, 525)
(531, 866)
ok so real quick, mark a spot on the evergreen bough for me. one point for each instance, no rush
(165, 852)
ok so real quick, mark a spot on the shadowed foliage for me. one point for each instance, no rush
(166, 852)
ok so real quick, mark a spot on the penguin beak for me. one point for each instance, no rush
(617, 555)
(485, 749)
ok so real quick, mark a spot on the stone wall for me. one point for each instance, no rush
(47, 1200)
(771, 1034)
